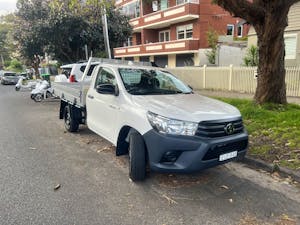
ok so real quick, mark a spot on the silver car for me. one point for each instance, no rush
(9, 77)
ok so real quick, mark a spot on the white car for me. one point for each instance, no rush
(150, 114)
(74, 71)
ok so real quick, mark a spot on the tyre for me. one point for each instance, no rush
(71, 124)
(48, 94)
(32, 96)
(38, 97)
(17, 88)
(137, 157)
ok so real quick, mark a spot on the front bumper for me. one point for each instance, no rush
(192, 153)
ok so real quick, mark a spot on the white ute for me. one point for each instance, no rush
(152, 115)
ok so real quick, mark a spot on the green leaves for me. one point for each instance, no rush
(63, 27)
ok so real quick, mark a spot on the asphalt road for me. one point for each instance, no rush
(36, 154)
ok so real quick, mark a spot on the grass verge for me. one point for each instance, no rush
(274, 131)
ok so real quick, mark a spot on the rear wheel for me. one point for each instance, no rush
(48, 94)
(17, 88)
(71, 124)
(137, 157)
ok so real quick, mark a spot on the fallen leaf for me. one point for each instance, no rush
(171, 201)
(224, 187)
(57, 187)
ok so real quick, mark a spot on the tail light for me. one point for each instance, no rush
(72, 78)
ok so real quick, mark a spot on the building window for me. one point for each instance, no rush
(164, 4)
(185, 32)
(164, 36)
(240, 31)
(230, 29)
(178, 2)
(290, 42)
(161, 60)
(132, 10)
(184, 60)
(129, 41)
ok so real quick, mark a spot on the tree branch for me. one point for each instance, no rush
(250, 11)
(292, 2)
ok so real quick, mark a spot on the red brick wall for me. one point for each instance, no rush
(150, 36)
(210, 16)
(213, 16)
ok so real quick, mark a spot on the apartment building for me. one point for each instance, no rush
(171, 33)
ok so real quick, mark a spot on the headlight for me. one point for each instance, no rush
(170, 126)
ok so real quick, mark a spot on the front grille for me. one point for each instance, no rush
(214, 129)
(217, 150)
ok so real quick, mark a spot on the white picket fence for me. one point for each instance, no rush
(240, 79)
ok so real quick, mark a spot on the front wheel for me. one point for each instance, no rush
(71, 124)
(137, 157)
(38, 97)
(17, 88)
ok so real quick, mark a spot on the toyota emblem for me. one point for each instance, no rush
(229, 129)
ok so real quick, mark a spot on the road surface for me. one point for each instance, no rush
(37, 155)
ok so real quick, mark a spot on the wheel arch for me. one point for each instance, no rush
(123, 140)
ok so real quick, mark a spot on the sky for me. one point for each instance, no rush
(7, 6)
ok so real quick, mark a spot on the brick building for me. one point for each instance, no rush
(171, 32)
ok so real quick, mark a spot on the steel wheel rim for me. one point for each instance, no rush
(67, 119)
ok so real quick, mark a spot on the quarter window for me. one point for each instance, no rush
(185, 32)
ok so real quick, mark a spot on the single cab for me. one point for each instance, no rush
(154, 117)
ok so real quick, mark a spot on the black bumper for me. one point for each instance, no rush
(191, 154)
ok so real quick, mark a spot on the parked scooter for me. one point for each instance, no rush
(28, 86)
(41, 91)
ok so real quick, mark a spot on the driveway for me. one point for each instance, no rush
(37, 156)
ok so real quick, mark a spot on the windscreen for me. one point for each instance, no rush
(152, 82)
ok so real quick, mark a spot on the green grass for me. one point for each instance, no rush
(274, 131)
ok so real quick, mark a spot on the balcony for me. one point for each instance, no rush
(159, 48)
(172, 15)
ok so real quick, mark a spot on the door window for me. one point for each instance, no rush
(105, 76)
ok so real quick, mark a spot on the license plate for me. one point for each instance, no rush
(229, 155)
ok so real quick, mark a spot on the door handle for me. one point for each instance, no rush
(91, 96)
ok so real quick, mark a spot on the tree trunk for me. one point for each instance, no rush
(35, 64)
(271, 69)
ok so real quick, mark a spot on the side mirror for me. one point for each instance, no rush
(108, 89)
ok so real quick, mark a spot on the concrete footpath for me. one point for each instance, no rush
(227, 94)
(256, 163)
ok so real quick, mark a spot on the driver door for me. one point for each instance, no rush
(102, 109)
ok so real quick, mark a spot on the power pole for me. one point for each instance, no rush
(105, 33)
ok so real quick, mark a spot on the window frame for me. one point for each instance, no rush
(99, 74)
(182, 2)
(178, 29)
(294, 35)
(230, 25)
(242, 30)
(164, 32)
